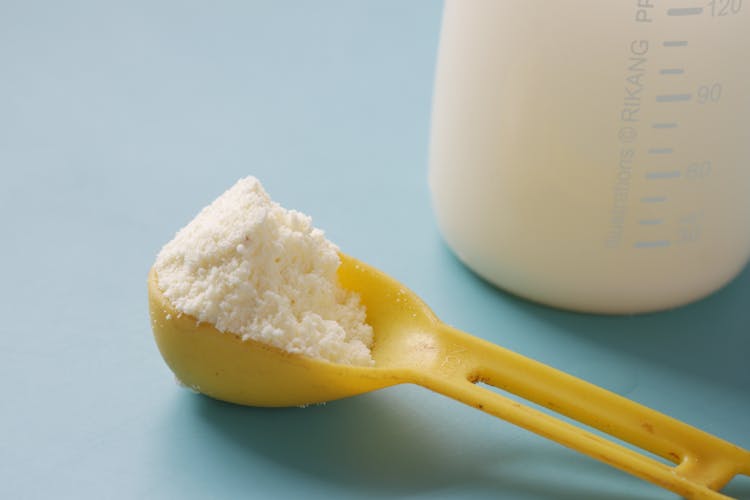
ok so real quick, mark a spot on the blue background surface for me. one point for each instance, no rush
(120, 120)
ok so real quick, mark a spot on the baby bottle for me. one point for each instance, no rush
(595, 155)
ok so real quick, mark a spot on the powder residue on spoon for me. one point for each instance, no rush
(250, 267)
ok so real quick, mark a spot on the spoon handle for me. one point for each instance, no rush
(704, 463)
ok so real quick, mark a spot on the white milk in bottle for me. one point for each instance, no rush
(595, 155)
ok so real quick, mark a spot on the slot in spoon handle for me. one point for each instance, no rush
(704, 463)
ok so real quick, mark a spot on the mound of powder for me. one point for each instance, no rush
(250, 267)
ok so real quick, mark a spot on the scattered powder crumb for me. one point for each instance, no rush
(192, 388)
(250, 267)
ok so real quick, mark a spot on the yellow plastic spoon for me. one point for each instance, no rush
(413, 346)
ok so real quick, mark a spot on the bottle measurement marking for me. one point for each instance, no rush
(652, 244)
(650, 222)
(664, 174)
(685, 11)
(653, 199)
(661, 171)
(673, 97)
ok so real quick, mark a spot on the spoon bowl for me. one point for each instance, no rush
(411, 345)
(223, 366)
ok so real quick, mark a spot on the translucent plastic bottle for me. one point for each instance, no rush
(595, 155)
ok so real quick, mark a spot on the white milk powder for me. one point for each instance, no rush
(250, 267)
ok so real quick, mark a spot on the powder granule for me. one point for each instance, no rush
(250, 267)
